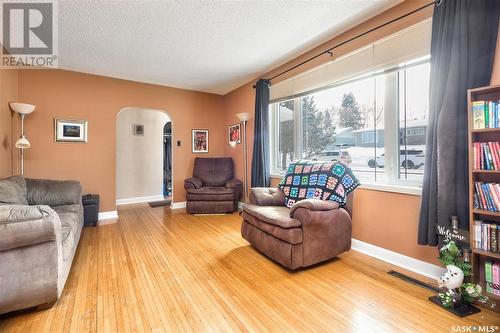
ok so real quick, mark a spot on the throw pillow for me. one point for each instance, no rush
(318, 180)
(13, 191)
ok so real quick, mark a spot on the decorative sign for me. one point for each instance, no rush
(457, 235)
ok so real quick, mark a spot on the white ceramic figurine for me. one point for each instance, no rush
(452, 279)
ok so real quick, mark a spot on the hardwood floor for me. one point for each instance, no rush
(158, 270)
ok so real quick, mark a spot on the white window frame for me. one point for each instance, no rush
(392, 181)
(274, 135)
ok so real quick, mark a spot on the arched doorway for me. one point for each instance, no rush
(141, 154)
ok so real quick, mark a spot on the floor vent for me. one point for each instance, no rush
(413, 281)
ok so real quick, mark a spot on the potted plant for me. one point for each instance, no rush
(459, 295)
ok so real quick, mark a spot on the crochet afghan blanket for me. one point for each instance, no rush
(318, 180)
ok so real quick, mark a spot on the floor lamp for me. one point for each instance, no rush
(22, 143)
(243, 117)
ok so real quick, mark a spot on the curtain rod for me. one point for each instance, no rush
(329, 51)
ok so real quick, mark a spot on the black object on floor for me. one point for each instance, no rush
(463, 310)
(90, 209)
(413, 281)
(161, 203)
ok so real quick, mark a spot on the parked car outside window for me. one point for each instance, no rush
(333, 155)
(410, 159)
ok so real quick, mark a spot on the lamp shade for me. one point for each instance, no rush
(243, 116)
(22, 108)
(22, 143)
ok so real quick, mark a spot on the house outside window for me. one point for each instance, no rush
(368, 137)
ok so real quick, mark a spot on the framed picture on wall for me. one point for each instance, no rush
(70, 130)
(234, 134)
(199, 141)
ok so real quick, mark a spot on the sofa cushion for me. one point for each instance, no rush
(70, 225)
(275, 215)
(67, 209)
(291, 235)
(53, 192)
(192, 183)
(69, 216)
(26, 225)
(318, 180)
(314, 205)
(213, 171)
(13, 191)
(210, 194)
(267, 196)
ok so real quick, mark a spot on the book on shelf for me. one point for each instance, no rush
(486, 155)
(487, 196)
(485, 114)
(486, 236)
(492, 277)
(488, 275)
(496, 278)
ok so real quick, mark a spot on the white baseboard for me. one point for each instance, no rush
(139, 199)
(411, 264)
(241, 204)
(108, 215)
(178, 205)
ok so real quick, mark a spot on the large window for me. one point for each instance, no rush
(376, 123)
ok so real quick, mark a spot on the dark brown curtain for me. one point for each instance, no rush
(464, 34)
(260, 157)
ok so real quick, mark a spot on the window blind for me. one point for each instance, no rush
(392, 51)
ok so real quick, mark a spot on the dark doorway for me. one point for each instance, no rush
(167, 160)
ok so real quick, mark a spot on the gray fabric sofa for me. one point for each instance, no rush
(40, 226)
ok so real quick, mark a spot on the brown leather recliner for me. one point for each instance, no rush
(310, 232)
(212, 189)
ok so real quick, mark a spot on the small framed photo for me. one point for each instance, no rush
(70, 130)
(138, 129)
(200, 141)
(234, 134)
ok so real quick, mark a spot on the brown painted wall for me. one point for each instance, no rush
(8, 93)
(98, 99)
(240, 100)
(388, 220)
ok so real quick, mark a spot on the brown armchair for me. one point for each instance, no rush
(212, 189)
(309, 232)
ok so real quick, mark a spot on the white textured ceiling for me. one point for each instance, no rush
(212, 46)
